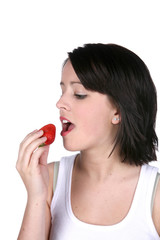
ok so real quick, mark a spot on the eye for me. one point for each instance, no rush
(80, 96)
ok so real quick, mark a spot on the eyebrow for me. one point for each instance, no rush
(72, 82)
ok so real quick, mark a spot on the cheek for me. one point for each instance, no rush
(92, 128)
(94, 120)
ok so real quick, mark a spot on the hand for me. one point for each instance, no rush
(32, 164)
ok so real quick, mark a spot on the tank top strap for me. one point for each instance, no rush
(155, 188)
(61, 178)
(147, 184)
(151, 181)
(146, 195)
(55, 175)
(150, 178)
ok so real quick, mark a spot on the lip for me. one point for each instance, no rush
(64, 133)
(63, 118)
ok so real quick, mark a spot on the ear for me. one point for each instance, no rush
(116, 118)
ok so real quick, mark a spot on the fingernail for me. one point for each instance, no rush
(40, 131)
(44, 138)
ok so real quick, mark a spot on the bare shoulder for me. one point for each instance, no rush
(156, 207)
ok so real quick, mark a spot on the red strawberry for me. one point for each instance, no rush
(49, 132)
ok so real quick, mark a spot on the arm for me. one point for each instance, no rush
(34, 171)
(33, 225)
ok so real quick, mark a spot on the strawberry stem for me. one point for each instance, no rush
(42, 145)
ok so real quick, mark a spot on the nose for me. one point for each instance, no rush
(63, 104)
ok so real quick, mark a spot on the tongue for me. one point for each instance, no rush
(68, 127)
(71, 126)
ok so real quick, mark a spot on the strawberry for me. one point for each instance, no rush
(49, 132)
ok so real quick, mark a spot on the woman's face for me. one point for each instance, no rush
(92, 115)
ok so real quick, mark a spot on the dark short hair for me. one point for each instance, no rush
(118, 72)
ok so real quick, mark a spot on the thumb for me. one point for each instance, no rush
(44, 155)
(40, 157)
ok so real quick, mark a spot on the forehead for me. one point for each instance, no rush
(68, 73)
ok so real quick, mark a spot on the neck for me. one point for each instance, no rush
(99, 165)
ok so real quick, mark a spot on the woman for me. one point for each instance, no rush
(107, 191)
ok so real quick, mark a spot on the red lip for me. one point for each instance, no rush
(63, 118)
(64, 131)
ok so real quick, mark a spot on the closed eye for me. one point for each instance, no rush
(80, 96)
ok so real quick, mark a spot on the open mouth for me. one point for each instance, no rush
(67, 126)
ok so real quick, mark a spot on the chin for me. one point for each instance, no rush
(70, 147)
(73, 146)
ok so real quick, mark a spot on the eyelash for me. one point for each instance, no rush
(80, 96)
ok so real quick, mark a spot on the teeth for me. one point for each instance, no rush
(65, 121)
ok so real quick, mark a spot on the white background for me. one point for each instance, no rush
(35, 37)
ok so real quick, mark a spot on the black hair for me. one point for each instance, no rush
(118, 72)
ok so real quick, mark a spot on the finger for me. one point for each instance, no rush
(31, 137)
(44, 156)
(28, 140)
(31, 148)
(29, 134)
(24, 160)
(39, 157)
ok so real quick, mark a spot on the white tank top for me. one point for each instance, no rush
(137, 225)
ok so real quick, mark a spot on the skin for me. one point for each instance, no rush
(86, 114)
(95, 128)
(34, 171)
